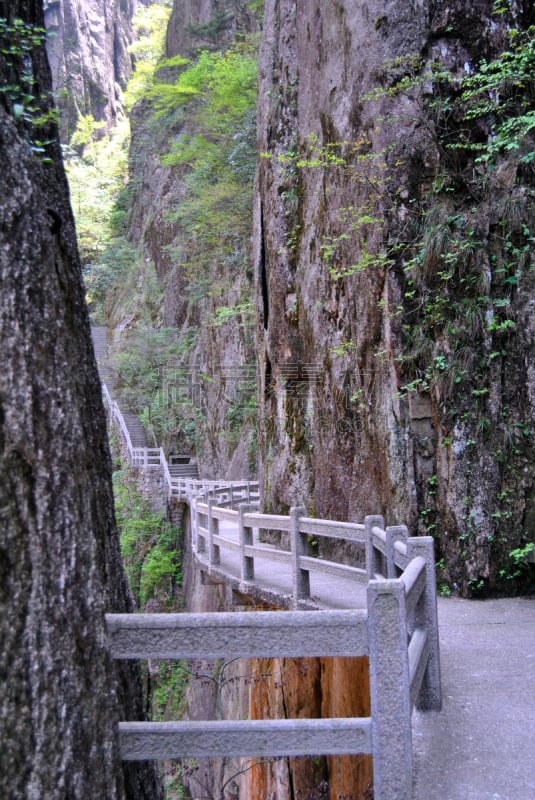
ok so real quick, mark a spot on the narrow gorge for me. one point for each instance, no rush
(352, 323)
(307, 227)
(343, 254)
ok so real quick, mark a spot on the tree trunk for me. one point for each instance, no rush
(60, 566)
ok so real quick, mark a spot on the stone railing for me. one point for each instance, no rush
(177, 486)
(397, 630)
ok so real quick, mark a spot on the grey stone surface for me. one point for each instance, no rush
(286, 737)
(263, 634)
(481, 746)
(389, 688)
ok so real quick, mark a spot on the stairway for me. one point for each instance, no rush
(179, 466)
(184, 471)
(99, 335)
(137, 432)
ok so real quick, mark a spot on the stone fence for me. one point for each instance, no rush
(397, 630)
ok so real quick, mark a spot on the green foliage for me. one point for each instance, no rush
(114, 272)
(257, 8)
(211, 32)
(354, 240)
(153, 381)
(496, 96)
(19, 38)
(448, 290)
(216, 156)
(460, 240)
(519, 562)
(225, 82)
(343, 349)
(86, 127)
(169, 695)
(150, 25)
(149, 545)
(143, 363)
(97, 187)
(502, 91)
(241, 311)
(31, 110)
(242, 409)
(226, 17)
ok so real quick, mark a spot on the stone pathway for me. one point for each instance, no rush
(273, 580)
(481, 746)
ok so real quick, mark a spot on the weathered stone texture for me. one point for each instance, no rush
(336, 436)
(60, 565)
(88, 52)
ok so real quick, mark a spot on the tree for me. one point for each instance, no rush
(60, 567)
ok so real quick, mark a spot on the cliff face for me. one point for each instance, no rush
(62, 693)
(88, 53)
(390, 380)
(203, 264)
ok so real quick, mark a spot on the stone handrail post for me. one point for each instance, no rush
(299, 546)
(201, 540)
(245, 538)
(213, 530)
(394, 533)
(374, 559)
(193, 522)
(425, 616)
(390, 694)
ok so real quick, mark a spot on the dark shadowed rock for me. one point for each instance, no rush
(60, 563)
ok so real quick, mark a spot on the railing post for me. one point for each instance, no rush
(390, 691)
(374, 559)
(394, 533)
(299, 545)
(213, 530)
(192, 522)
(245, 537)
(425, 616)
(200, 540)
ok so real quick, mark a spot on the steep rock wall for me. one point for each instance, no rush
(216, 367)
(62, 693)
(344, 185)
(88, 53)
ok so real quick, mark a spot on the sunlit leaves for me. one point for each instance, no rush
(150, 25)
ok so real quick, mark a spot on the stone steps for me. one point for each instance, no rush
(138, 435)
(184, 470)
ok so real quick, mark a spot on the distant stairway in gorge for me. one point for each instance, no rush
(178, 467)
(99, 334)
(138, 435)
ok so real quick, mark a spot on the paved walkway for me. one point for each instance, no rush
(481, 746)
(273, 580)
